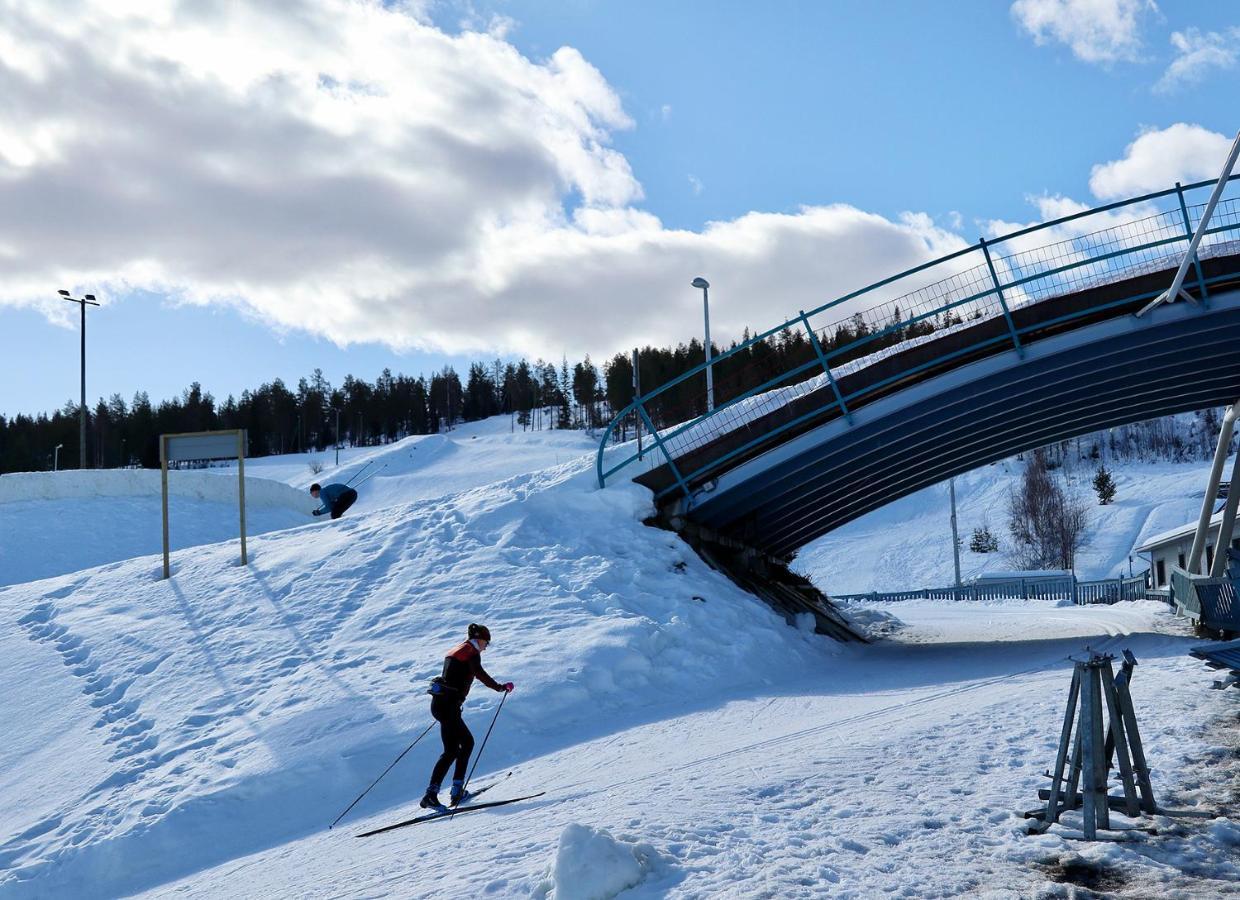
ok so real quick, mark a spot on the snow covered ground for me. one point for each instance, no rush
(908, 544)
(56, 523)
(195, 737)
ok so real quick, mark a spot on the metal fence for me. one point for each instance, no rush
(1082, 593)
(1210, 601)
(985, 281)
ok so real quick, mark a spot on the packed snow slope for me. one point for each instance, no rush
(196, 736)
(56, 523)
(53, 523)
(908, 544)
(169, 725)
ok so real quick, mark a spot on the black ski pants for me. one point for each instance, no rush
(458, 743)
(343, 502)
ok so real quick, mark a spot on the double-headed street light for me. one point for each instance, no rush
(702, 283)
(87, 300)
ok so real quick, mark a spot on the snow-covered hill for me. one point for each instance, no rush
(196, 736)
(908, 544)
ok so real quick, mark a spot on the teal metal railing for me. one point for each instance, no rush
(986, 280)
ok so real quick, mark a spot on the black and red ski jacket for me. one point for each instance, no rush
(460, 667)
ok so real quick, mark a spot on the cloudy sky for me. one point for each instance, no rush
(253, 190)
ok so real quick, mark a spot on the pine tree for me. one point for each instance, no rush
(1104, 486)
(983, 540)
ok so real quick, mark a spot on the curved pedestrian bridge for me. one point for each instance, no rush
(1004, 346)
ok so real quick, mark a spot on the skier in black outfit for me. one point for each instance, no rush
(448, 692)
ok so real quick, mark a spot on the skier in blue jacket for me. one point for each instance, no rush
(335, 498)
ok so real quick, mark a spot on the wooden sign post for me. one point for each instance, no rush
(197, 445)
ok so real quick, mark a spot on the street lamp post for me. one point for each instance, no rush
(87, 300)
(702, 283)
(56, 458)
(951, 488)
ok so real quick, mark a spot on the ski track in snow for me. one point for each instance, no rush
(195, 737)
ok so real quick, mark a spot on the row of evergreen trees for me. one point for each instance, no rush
(536, 395)
(314, 416)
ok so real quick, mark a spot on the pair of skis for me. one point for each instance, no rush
(448, 812)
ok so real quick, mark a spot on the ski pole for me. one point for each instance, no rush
(484, 742)
(359, 472)
(385, 771)
(369, 475)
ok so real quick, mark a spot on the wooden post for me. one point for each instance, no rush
(1120, 744)
(1102, 810)
(241, 490)
(1065, 741)
(163, 477)
(1089, 791)
(1139, 765)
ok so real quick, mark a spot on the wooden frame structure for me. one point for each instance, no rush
(1101, 696)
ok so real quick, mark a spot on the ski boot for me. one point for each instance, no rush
(431, 799)
(458, 795)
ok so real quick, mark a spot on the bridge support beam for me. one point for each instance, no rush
(1228, 526)
(1207, 504)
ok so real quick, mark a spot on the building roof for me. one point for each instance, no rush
(1176, 534)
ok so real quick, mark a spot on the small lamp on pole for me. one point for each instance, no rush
(702, 283)
(56, 458)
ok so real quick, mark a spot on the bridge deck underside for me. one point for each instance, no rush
(1128, 376)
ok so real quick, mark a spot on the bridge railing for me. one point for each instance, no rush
(986, 280)
(1082, 593)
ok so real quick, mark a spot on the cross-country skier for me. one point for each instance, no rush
(335, 498)
(448, 692)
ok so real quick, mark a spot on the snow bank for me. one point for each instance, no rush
(590, 864)
(234, 708)
(197, 484)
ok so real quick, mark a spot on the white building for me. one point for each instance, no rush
(1171, 548)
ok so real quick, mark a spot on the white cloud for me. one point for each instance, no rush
(665, 112)
(1097, 31)
(345, 168)
(1159, 158)
(696, 184)
(1196, 54)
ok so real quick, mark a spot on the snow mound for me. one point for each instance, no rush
(197, 484)
(161, 714)
(590, 864)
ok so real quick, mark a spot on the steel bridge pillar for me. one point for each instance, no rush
(1207, 504)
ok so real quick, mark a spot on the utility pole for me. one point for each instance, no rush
(637, 393)
(87, 300)
(951, 488)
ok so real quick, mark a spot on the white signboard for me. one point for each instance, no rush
(203, 445)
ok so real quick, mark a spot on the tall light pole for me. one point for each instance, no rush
(702, 283)
(951, 488)
(56, 458)
(87, 300)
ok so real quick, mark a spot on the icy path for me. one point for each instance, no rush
(901, 774)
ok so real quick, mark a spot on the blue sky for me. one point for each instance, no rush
(688, 113)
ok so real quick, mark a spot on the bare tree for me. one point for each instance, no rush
(1047, 521)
